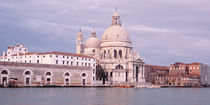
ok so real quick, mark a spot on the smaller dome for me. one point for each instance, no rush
(92, 42)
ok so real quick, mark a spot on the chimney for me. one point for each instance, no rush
(3, 53)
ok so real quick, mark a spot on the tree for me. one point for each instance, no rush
(100, 74)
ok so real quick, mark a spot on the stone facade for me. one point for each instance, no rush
(178, 81)
(180, 68)
(26, 74)
(153, 71)
(114, 53)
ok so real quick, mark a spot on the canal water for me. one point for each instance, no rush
(104, 96)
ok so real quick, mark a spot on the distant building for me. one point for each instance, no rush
(178, 80)
(178, 74)
(205, 75)
(18, 48)
(153, 71)
(181, 74)
(193, 69)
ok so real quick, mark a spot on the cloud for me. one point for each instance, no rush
(148, 29)
(164, 31)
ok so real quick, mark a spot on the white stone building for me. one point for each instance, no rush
(114, 53)
(19, 53)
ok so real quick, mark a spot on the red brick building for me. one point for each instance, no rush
(179, 68)
(153, 71)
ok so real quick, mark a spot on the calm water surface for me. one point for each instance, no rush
(104, 96)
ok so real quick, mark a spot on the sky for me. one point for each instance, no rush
(162, 31)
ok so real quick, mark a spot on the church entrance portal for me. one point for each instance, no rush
(4, 81)
(83, 82)
(137, 73)
(27, 81)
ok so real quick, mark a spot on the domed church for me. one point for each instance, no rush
(114, 53)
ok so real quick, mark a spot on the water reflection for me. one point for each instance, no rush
(104, 96)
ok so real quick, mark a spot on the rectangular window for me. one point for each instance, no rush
(71, 63)
(56, 56)
(37, 61)
(89, 64)
(44, 56)
(50, 55)
(56, 61)
(67, 57)
(37, 56)
(77, 63)
(63, 62)
(63, 56)
(67, 62)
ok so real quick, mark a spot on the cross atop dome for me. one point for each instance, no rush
(93, 32)
(116, 19)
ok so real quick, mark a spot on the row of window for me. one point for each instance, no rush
(50, 56)
(116, 54)
(184, 71)
(71, 63)
(46, 74)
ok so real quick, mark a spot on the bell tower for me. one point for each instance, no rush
(80, 43)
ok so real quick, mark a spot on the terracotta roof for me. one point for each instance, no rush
(56, 53)
(195, 63)
(158, 67)
(10, 47)
(180, 63)
(43, 65)
(67, 54)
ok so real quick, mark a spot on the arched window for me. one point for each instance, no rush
(104, 53)
(119, 67)
(109, 55)
(115, 54)
(120, 53)
(137, 73)
(27, 73)
(4, 72)
(48, 74)
(84, 75)
(66, 74)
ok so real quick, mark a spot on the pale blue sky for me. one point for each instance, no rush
(163, 31)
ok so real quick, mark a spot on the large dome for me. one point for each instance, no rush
(116, 33)
(92, 42)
